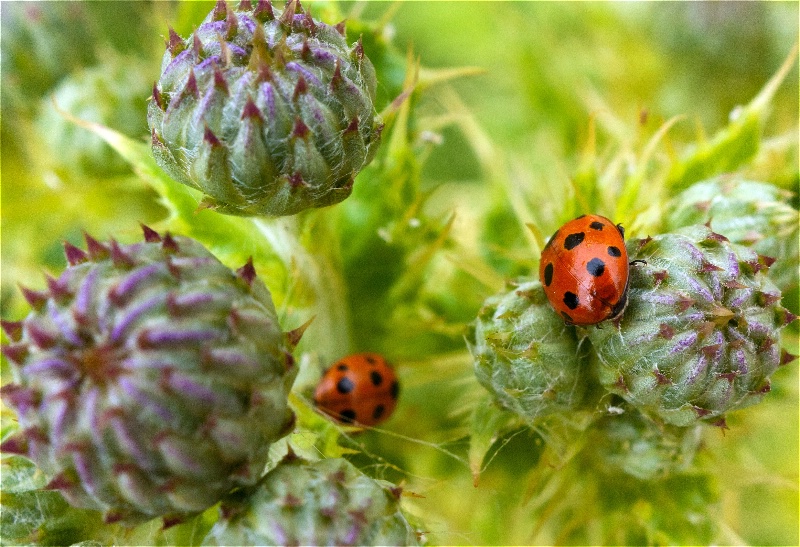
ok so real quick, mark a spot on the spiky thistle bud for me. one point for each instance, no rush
(701, 334)
(266, 111)
(150, 379)
(524, 353)
(328, 502)
(754, 214)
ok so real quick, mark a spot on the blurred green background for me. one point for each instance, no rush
(556, 79)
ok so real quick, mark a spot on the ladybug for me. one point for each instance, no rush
(360, 388)
(584, 270)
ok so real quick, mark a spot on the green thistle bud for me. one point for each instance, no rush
(266, 111)
(627, 441)
(750, 213)
(701, 334)
(525, 355)
(328, 502)
(150, 378)
(44, 43)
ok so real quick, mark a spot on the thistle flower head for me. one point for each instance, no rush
(328, 502)
(701, 335)
(524, 353)
(150, 379)
(266, 110)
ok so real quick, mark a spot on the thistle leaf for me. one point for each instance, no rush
(733, 145)
(488, 423)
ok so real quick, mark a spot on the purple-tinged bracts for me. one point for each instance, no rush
(328, 502)
(256, 110)
(701, 335)
(136, 391)
(750, 213)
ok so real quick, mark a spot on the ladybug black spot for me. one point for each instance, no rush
(348, 416)
(573, 240)
(370, 359)
(341, 366)
(548, 274)
(378, 412)
(376, 378)
(596, 225)
(596, 267)
(345, 385)
(394, 391)
(571, 300)
(614, 251)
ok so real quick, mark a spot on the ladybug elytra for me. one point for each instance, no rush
(584, 270)
(360, 388)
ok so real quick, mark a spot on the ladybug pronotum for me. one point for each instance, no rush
(358, 389)
(584, 270)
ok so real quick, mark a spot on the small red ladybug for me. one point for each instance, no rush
(584, 270)
(360, 388)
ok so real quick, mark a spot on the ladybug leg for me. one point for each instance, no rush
(637, 261)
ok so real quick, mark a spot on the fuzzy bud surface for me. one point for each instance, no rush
(328, 502)
(525, 355)
(701, 335)
(267, 111)
(150, 379)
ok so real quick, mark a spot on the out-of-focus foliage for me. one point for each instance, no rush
(109, 93)
(570, 108)
(48, 49)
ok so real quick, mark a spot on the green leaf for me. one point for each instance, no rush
(30, 515)
(633, 183)
(318, 436)
(733, 145)
(488, 423)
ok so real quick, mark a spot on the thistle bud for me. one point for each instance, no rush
(266, 111)
(701, 335)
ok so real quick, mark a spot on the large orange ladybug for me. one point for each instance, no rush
(584, 270)
(360, 388)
